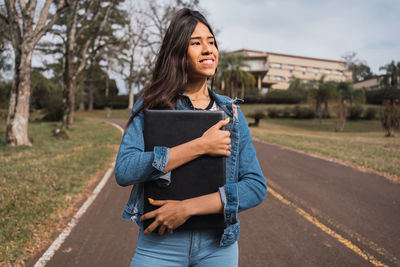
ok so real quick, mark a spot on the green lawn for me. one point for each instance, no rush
(361, 143)
(40, 184)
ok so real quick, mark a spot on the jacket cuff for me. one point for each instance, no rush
(161, 157)
(229, 197)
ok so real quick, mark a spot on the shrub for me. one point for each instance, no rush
(286, 113)
(371, 113)
(355, 112)
(53, 105)
(303, 112)
(257, 116)
(115, 101)
(273, 113)
(284, 97)
(5, 89)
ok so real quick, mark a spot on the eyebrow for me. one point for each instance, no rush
(198, 37)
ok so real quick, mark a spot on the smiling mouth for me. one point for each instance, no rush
(207, 61)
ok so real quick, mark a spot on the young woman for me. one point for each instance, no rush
(187, 58)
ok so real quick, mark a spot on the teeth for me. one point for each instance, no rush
(208, 61)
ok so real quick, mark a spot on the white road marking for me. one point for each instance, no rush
(61, 238)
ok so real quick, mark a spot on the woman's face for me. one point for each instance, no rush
(202, 53)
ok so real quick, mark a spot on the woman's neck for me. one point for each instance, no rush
(197, 89)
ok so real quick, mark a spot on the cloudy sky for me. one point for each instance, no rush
(314, 28)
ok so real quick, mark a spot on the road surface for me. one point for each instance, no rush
(316, 213)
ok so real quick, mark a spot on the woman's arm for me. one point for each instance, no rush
(251, 188)
(173, 213)
(214, 141)
(134, 165)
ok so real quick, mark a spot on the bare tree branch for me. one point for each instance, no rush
(42, 28)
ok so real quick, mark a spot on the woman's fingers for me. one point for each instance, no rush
(161, 230)
(151, 228)
(157, 202)
(221, 123)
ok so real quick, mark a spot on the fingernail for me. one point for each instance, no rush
(150, 199)
(227, 119)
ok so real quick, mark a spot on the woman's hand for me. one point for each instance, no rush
(217, 142)
(170, 215)
(214, 142)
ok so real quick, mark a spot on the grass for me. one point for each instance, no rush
(39, 185)
(112, 114)
(362, 143)
(250, 108)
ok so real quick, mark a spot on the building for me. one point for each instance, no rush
(274, 71)
(368, 84)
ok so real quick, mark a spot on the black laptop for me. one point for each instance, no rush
(201, 176)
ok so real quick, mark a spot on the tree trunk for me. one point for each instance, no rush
(242, 92)
(81, 105)
(81, 98)
(326, 107)
(232, 90)
(107, 86)
(71, 109)
(68, 105)
(131, 95)
(18, 117)
(91, 101)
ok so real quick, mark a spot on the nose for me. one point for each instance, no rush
(207, 49)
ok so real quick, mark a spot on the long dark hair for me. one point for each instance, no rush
(170, 73)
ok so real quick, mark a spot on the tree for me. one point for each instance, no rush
(346, 94)
(134, 31)
(390, 82)
(25, 30)
(144, 34)
(85, 20)
(391, 116)
(359, 68)
(231, 73)
(321, 93)
(391, 79)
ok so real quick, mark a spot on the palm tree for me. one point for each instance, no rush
(390, 80)
(321, 92)
(231, 73)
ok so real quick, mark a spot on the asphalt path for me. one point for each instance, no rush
(316, 213)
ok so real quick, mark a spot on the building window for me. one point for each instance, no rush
(315, 70)
(328, 71)
(290, 67)
(266, 78)
(303, 69)
(278, 78)
(276, 65)
(339, 73)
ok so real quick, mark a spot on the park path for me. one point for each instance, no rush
(316, 213)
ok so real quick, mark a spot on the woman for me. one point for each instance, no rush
(187, 58)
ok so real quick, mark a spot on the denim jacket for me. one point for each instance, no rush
(245, 184)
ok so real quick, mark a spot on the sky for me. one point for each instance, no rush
(312, 28)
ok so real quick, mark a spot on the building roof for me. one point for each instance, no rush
(287, 55)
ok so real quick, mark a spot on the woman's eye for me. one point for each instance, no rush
(211, 42)
(196, 43)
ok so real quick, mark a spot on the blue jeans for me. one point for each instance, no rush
(183, 249)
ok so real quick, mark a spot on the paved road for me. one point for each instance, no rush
(317, 213)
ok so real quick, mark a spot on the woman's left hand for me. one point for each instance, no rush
(170, 215)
